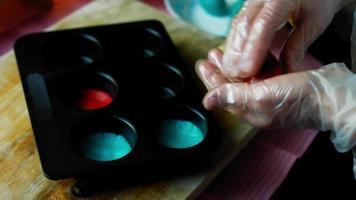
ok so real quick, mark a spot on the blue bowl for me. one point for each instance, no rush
(212, 16)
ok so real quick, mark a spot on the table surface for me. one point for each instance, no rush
(21, 176)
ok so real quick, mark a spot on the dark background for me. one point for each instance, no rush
(322, 173)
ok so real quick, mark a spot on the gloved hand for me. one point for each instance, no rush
(254, 28)
(323, 99)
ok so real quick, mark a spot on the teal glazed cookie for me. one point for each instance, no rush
(179, 134)
(215, 7)
(105, 146)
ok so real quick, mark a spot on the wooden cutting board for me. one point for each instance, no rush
(21, 176)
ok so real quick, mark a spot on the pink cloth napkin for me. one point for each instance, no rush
(254, 174)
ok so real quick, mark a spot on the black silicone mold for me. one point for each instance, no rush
(113, 99)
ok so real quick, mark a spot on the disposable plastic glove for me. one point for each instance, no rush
(323, 99)
(255, 27)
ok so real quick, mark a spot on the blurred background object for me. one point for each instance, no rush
(42, 3)
(213, 16)
(12, 12)
(19, 17)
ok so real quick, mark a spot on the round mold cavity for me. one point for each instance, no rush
(170, 81)
(81, 49)
(139, 42)
(87, 92)
(104, 139)
(152, 43)
(181, 127)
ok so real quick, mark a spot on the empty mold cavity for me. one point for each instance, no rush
(87, 92)
(151, 43)
(169, 79)
(105, 139)
(181, 127)
(81, 49)
(137, 42)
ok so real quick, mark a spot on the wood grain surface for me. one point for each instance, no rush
(21, 175)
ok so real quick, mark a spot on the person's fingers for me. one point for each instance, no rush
(230, 95)
(258, 120)
(246, 97)
(268, 102)
(237, 38)
(215, 56)
(250, 40)
(272, 16)
(210, 74)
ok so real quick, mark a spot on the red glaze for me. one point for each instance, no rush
(92, 99)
